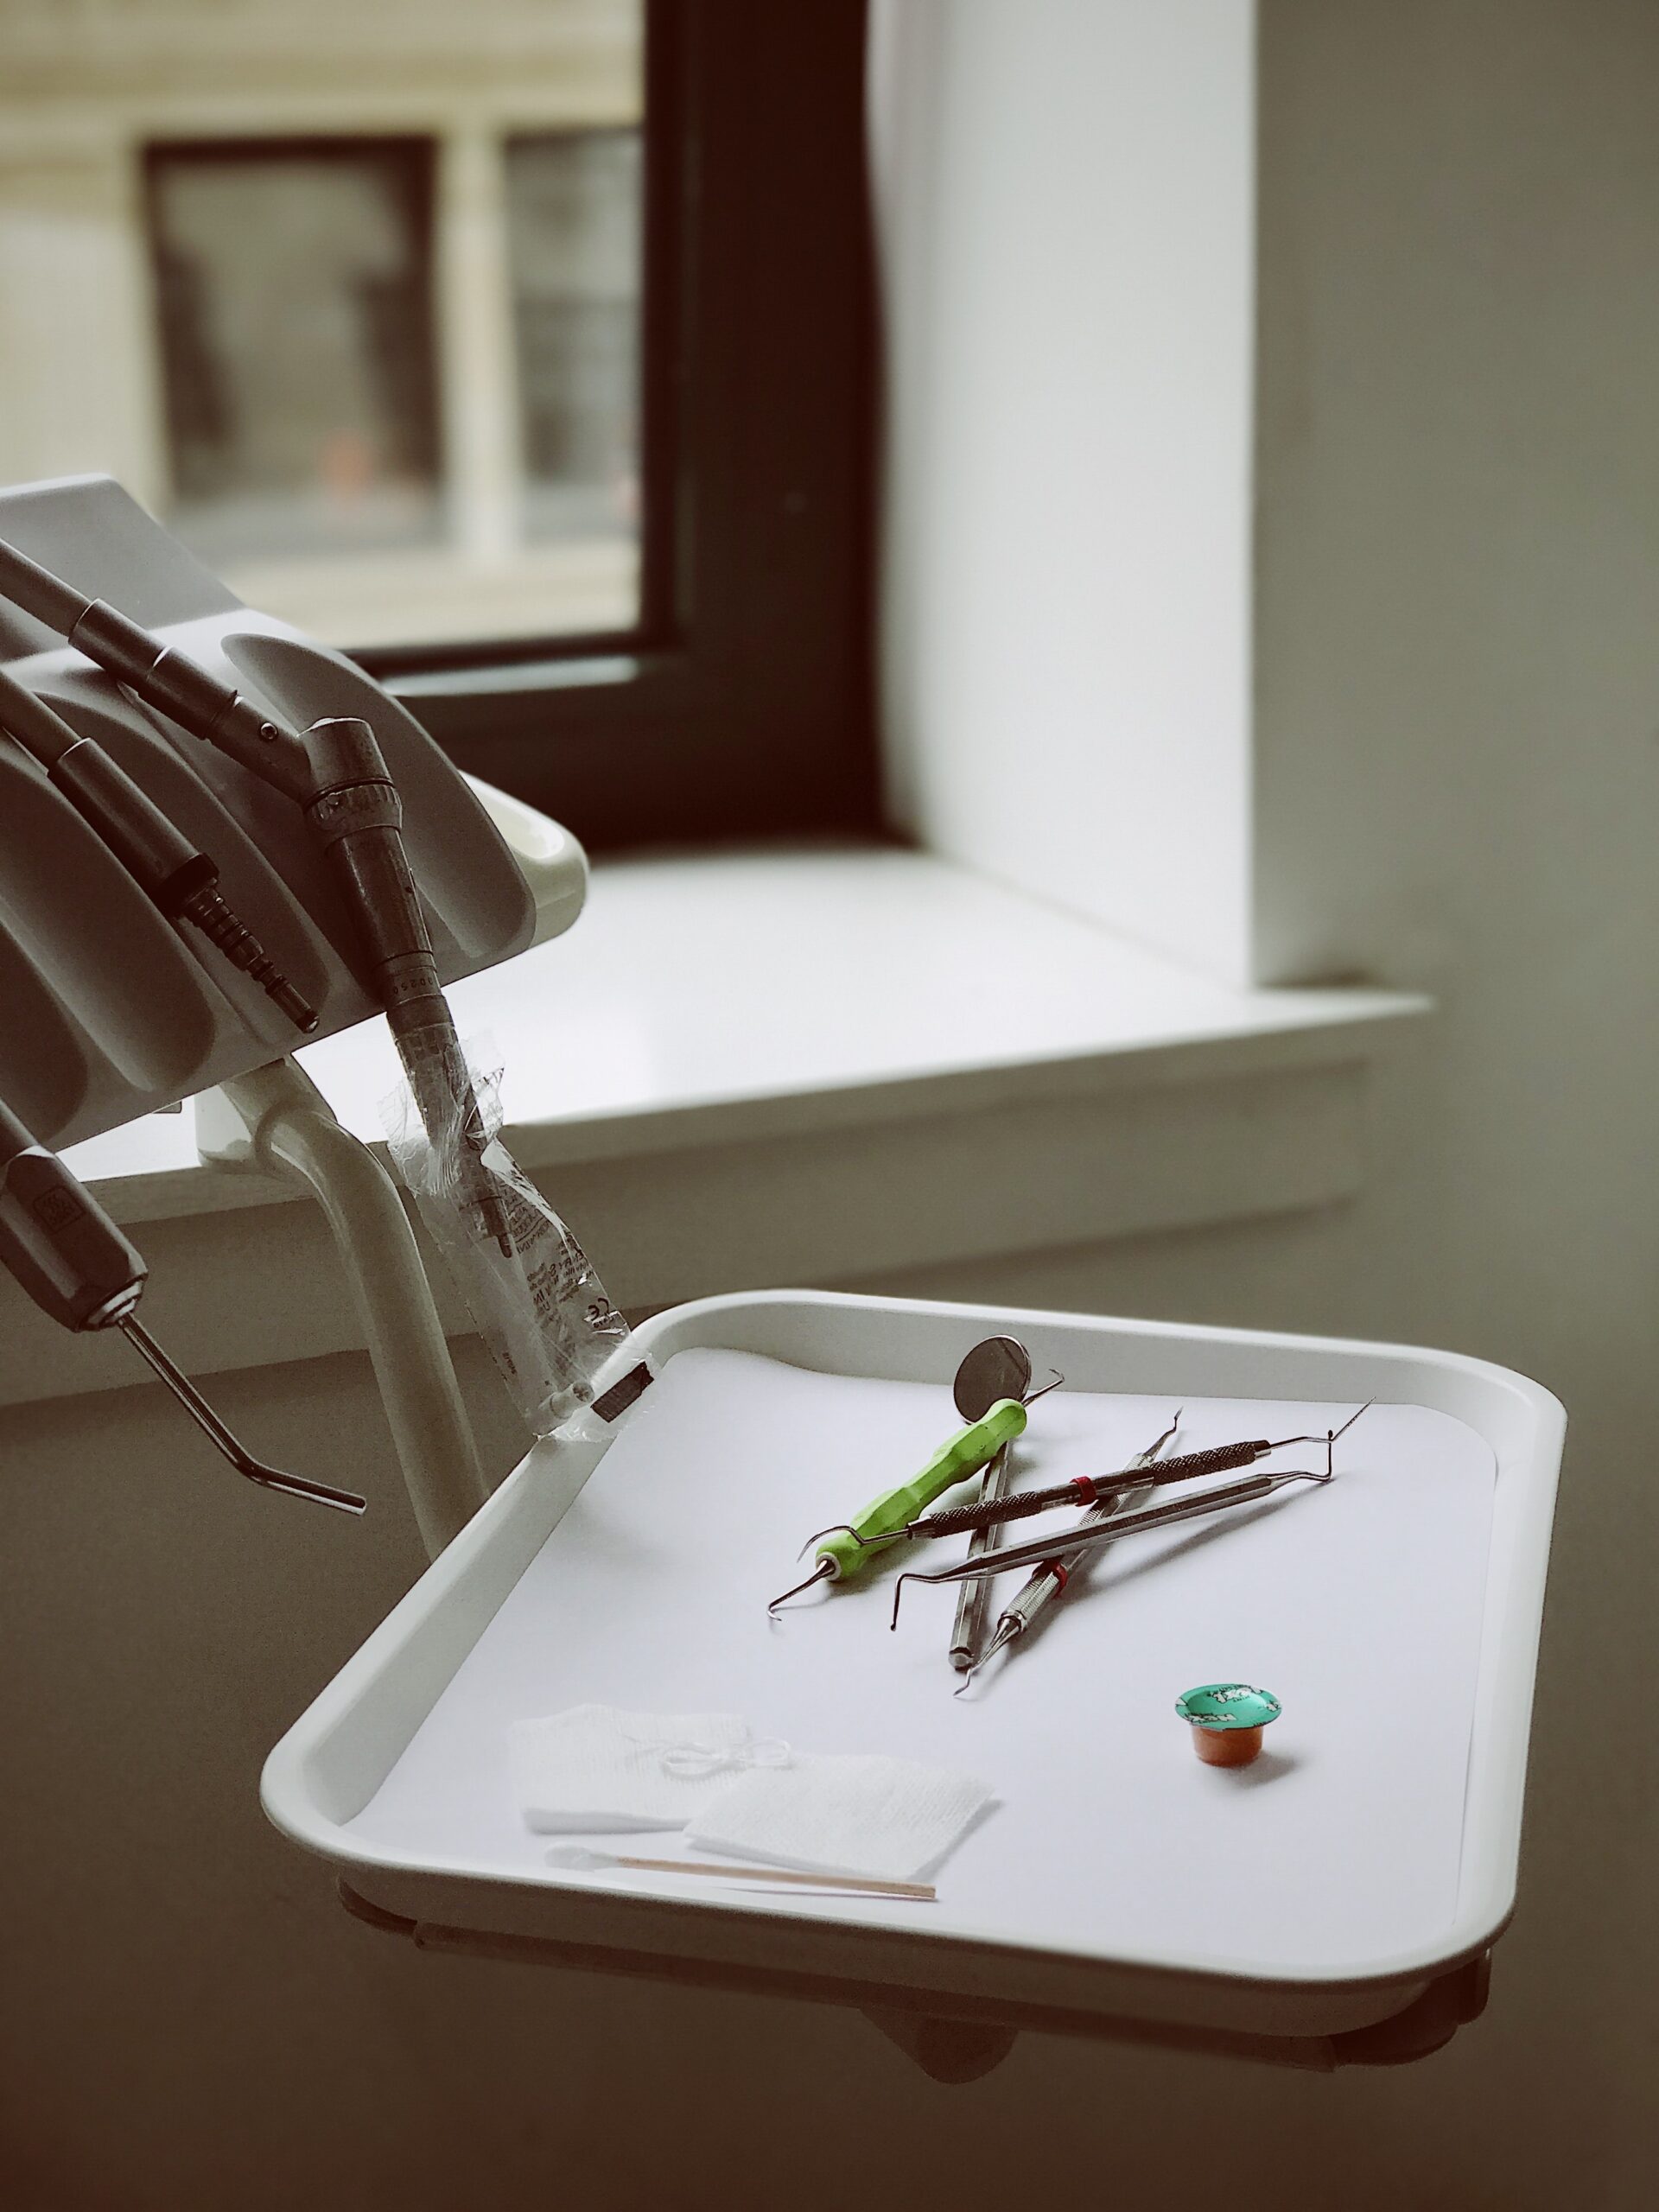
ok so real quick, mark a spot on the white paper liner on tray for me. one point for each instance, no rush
(1360, 1604)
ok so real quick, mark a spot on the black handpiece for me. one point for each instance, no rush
(182, 881)
(58, 1241)
(78, 1267)
(162, 676)
(356, 816)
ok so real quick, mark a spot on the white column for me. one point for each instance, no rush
(1067, 192)
(78, 348)
(478, 391)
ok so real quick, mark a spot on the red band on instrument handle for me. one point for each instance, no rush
(1061, 1577)
(1085, 1484)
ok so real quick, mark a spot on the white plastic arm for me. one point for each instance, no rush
(276, 1119)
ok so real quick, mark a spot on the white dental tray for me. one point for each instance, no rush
(1396, 1612)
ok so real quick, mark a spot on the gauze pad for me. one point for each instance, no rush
(599, 1767)
(892, 1819)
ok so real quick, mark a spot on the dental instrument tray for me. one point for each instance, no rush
(109, 1006)
(1342, 1892)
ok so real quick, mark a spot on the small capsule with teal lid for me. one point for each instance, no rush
(1227, 1720)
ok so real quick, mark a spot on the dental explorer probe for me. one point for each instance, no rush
(959, 1457)
(1046, 1582)
(957, 1520)
(1129, 1524)
(80, 1269)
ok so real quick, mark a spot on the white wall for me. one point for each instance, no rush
(1067, 652)
(1457, 784)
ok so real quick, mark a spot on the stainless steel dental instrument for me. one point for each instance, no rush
(1070, 1541)
(1086, 1490)
(998, 1368)
(80, 1270)
(181, 881)
(959, 1457)
(1046, 1582)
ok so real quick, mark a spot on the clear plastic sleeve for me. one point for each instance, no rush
(533, 1292)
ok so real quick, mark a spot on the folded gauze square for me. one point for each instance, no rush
(599, 1767)
(889, 1818)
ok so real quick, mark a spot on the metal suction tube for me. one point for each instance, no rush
(209, 1422)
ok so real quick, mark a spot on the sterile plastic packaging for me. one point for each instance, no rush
(541, 1308)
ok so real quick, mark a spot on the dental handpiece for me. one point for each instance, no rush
(162, 675)
(80, 1269)
(357, 815)
(180, 879)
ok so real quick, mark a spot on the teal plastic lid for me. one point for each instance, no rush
(1227, 1704)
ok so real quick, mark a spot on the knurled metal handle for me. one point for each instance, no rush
(959, 1520)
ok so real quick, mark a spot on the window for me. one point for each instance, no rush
(522, 349)
(573, 233)
(343, 443)
(292, 288)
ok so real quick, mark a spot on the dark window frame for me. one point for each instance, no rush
(741, 706)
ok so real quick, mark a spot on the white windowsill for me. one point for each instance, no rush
(707, 1000)
(812, 1065)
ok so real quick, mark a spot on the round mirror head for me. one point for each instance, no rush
(998, 1368)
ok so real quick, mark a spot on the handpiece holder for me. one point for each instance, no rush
(110, 1008)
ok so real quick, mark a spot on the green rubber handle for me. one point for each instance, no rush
(965, 1454)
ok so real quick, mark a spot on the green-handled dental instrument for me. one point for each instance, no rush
(843, 1552)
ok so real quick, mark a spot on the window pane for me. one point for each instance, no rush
(294, 301)
(349, 297)
(573, 228)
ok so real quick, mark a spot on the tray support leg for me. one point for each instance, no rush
(276, 1120)
(946, 2051)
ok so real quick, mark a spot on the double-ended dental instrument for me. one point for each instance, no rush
(998, 1368)
(842, 1554)
(1046, 1582)
(1086, 1490)
(1069, 1541)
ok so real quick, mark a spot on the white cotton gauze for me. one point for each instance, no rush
(599, 1767)
(889, 1818)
